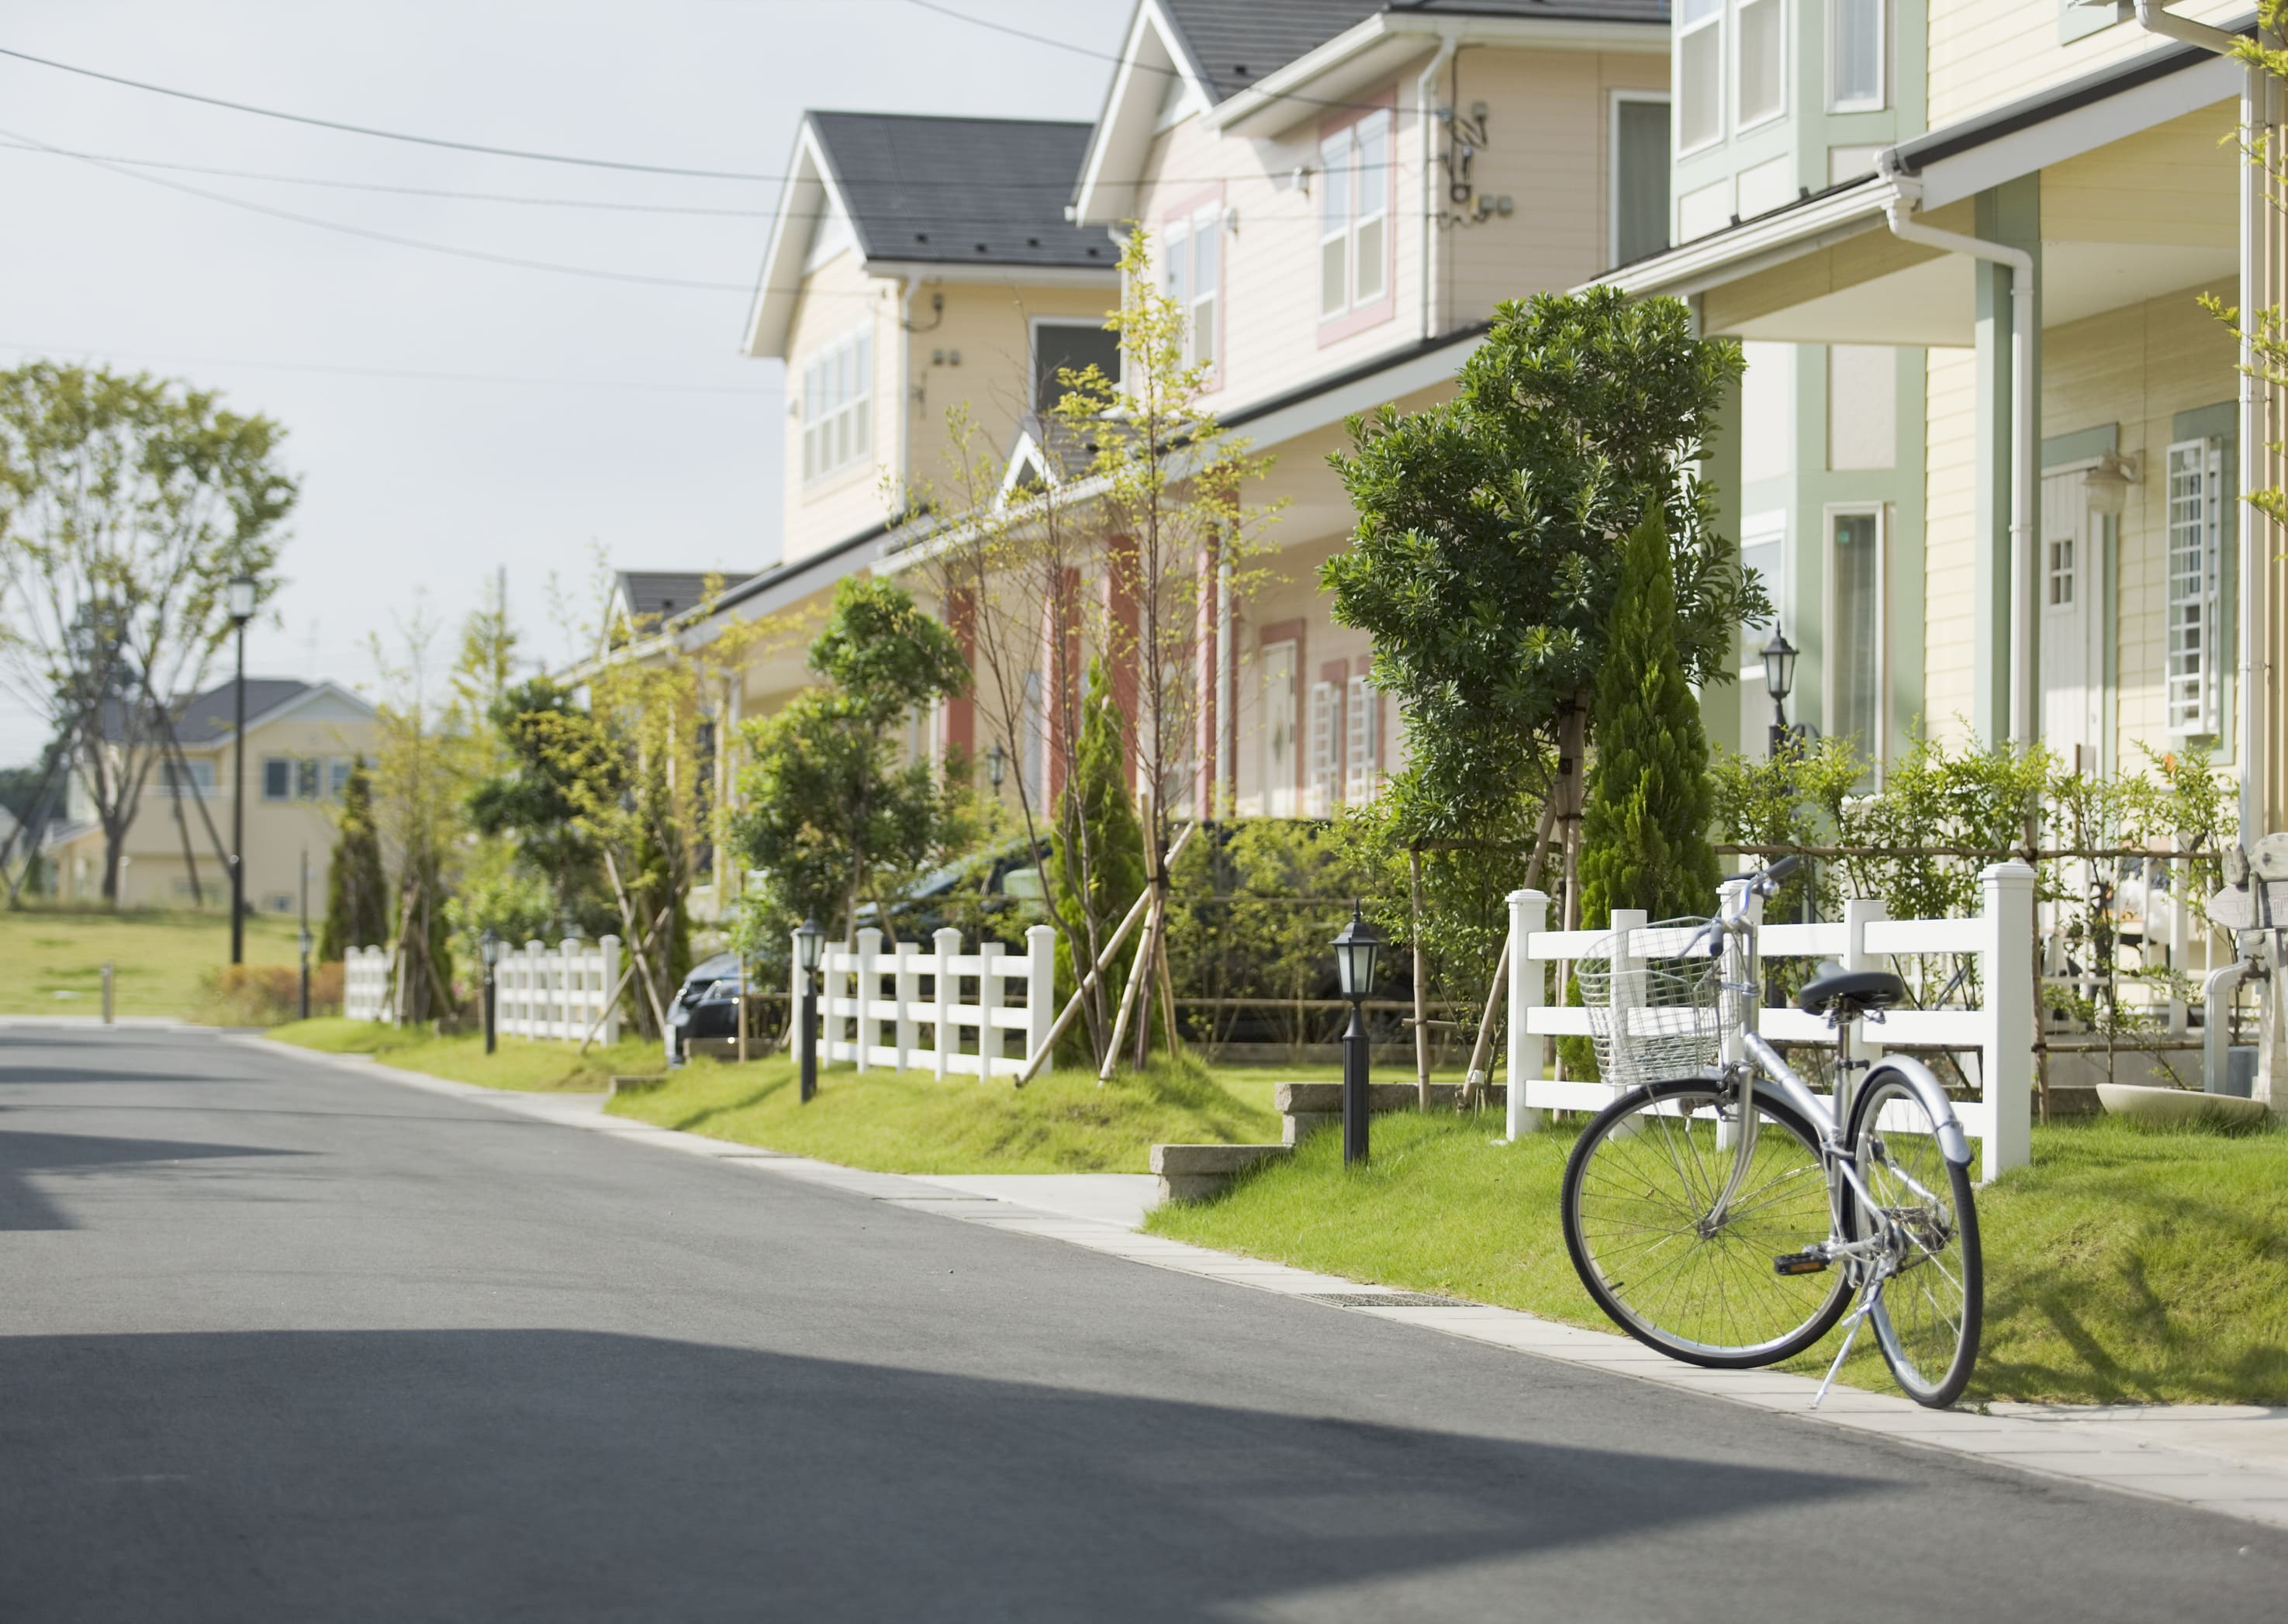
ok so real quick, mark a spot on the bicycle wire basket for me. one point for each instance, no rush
(1652, 1013)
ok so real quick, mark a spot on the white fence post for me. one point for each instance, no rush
(989, 1006)
(870, 969)
(1858, 914)
(1529, 914)
(568, 973)
(1041, 987)
(607, 987)
(365, 984)
(947, 943)
(1626, 972)
(2008, 1057)
(909, 985)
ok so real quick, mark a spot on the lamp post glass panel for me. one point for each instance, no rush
(810, 952)
(1779, 682)
(1356, 950)
(489, 949)
(240, 602)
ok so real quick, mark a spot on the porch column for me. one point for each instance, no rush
(960, 724)
(2011, 214)
(1120, 648)
(1060, 673)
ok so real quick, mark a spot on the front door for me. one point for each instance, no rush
(2069, 587)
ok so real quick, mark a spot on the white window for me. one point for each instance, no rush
(198, 781)
(1354, 192)
(2197, 504)
(1854, 629)
(1854, 55)
(1326, 748)
(337, 776)
(1195, 277)
(2061, 573)
(1699, 74)
(1361, 774)
(837, 400)
(277, 778)
(1279, 729)
(1761, 90)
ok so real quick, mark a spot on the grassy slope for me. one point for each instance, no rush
(158, 958)
(2123, 1266)
(517, 1064)
(909, 1122)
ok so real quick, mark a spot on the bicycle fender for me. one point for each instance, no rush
(1953, 1144)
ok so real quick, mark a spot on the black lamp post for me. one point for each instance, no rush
(241, 604)
(489, 950)
(1355, 952)
(304, 940)
(996, 766)
(1779, 682)
(810, 951)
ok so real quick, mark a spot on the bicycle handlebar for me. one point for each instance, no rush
(1733, 915)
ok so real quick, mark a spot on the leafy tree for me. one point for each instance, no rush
(1488, 552)
(530, 801)
(127, 505)
(357, 904)
(1096, 817)
(827, 810)
(1644, 835)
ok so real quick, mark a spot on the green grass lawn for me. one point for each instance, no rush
(2123, 1266)
(909, 1122)
(56, 958)
(517, 1063)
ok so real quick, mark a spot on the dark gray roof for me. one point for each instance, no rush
(971, 191)
(1235, 43)
(205, 718)
(662, 593)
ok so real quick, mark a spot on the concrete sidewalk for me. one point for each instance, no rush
(2229, 1459)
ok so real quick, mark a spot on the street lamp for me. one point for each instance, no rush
(997, 765)
(1779, 682)
(809, 951)
(240, 603)
(1355, 952)
(304, 938)
(489, 950)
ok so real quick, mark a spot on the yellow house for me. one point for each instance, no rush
(302, 738)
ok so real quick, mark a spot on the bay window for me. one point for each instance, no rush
(837, 406)
(1699, 74)
(1854, 55)
(1356, 182)
(1762, 66)
(1192, 274)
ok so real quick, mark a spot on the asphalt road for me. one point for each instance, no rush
(278, 1342)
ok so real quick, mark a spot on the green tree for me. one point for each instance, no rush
(1093, 895)
(827, 810)
(357, 895)
(530, 801)
(1644, 833)
(127, 505)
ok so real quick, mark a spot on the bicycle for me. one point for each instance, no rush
(1722, 1212)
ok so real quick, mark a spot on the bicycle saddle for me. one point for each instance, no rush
(1852, 991)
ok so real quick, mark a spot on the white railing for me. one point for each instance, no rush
(566, 992)
(875, 1005)
(1998, 1033)
(365, 984)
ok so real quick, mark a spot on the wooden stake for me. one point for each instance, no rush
(1476, 1079)
(1421, 1012)
(1073, 1005)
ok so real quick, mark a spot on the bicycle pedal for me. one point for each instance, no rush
(1799, 1263)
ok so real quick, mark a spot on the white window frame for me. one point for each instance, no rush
(1041, 324)
(1326, 749)
(2060, 575)
(1877, 748)
(1613, 168)
(1741, 123)
(1719, 17)
(176, 785)
(1362, 764)
(1340, 149)
(837, 406)
(1179, 278)
(1882, 99)
(2194, 563)
(269, 761)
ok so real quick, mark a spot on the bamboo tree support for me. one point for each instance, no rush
(1421, 1014)
(636, 940)
(1474, 1083)
(1139, 971)
(1073, 1005)
(603, 1013)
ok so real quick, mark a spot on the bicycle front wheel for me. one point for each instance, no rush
(1642, 1218)
(1928, 1316)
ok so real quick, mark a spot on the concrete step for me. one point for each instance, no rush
(1194, 1172)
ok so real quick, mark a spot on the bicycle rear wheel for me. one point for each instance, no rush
(1928, 1319)
(1641, 1190)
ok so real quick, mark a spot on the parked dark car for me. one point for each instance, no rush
(705, 1006)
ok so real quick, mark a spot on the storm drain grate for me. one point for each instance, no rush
(1384, 1299)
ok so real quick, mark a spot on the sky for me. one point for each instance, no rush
(451, 419)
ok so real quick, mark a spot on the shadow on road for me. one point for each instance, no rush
(550, 1474)
(23, 1208)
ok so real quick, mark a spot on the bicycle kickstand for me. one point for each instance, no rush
(1858, 1318)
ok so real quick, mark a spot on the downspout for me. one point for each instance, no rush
(906, 290)
(2248, 674)
(1426, 87)
(1906, 191)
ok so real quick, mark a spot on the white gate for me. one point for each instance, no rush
(874, 1006)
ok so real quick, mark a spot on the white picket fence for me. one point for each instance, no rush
(874, 1006)
(565, 992)
(2000, 1030)
(365, 984)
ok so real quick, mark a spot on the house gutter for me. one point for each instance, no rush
(1899, 214)
(2252, 681)
(1424, 88)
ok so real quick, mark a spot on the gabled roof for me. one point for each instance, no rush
(656, 595)
(921, 190)
(206, 718)
(1260, 67)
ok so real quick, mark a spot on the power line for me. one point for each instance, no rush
(387, 135)
(395, 373)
